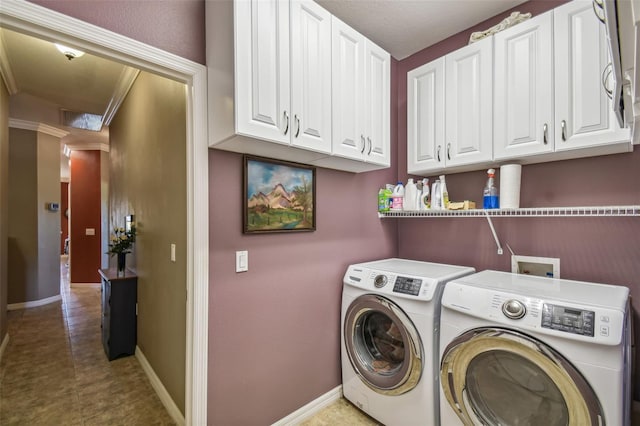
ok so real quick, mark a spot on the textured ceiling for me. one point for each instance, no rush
(404, 27)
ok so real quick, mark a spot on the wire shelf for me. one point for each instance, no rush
(603, 211)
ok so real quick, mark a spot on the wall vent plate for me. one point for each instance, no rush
(539, 266)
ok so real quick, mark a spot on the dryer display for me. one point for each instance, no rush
(571, 320)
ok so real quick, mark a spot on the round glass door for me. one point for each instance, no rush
(383, 345)
(493, 376)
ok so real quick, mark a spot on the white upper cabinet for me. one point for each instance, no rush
(361, 96)
(310, 76)
(271, 83)
(583, 113)
(262, 83)
(425, 117)
(456, 130)
(523, 101)
(469, 104)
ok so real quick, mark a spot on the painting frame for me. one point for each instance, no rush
(287, 206)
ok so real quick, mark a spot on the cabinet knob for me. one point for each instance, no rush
(298, 124)
(448, 151)
(545, 129)
(438, 153)
(563, 125)
(364, 144)
(370, 145)
(286, 117)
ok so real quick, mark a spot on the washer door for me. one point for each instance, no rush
(383, 345)
(493, 376)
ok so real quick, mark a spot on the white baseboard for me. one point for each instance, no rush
(33, 303)
(84, 285)
(157, 385)
(3, 346)
(303, 413)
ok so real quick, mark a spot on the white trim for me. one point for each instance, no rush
(84, 285)
(304, 413)
(161, 391)
(3, 346)
(37, 127)
(90, 146)
(33, 303)
(5, 69)
(39, 21)
(65, 179)
(123, 85)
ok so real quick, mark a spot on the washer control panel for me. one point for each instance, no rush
(570, 320)
(407, 285)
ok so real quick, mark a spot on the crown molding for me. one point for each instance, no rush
(37, 127)
(5, 69)
(123, 85)
(90, 146)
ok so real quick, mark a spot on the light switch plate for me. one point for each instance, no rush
(90, 231)
(242, 261)
(173, 252)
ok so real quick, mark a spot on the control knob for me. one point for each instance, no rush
(380, 281)
(514, 309)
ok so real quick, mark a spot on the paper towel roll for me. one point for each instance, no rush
(510, 186)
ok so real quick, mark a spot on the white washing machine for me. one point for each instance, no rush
(390, 311)
(523, 350)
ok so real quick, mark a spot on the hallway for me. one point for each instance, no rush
(54, 370)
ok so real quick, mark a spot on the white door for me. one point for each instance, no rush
(377, 67)
(262, 70)
(469, 106)
(348, 120)
(523, 114)
(583, 113)
(425, 117)
(310, 76)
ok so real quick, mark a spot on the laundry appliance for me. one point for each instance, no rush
(525, 350)
(390, 312)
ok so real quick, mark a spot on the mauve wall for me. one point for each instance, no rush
(84, 201)
(174, 26)
(590, 249)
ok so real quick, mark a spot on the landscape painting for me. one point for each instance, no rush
(278, 196)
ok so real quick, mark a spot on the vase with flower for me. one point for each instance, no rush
(120, 244)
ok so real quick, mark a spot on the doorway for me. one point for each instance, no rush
(40, 22)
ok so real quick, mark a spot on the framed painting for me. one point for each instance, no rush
(279, 196)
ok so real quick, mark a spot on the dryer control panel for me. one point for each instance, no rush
(571, 320)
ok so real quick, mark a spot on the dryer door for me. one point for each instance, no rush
(494, 376)
(383, 345)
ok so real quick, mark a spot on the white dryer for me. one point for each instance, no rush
(523, 350)
(390, 311)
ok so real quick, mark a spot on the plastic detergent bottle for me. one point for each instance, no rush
(382, 201)
(444, 197)
(410, 196)
(436, 195)
(397, 197)
(490, 199)
(424, 197)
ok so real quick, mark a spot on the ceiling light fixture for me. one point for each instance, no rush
(69, 52)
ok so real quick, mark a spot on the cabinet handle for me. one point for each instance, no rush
(298, 124)
(448, 151)
(605, 77)
(364, 144)
(598, 5)
(544, 133)
(370, 145)
(439, 153)
(563, 126)
(286, 117)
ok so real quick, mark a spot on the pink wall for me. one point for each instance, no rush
(174, 26)
(85, 213)
(590, 249)
(274, 331)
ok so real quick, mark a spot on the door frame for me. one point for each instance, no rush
(47, 24)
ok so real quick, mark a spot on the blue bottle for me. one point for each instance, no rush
(490, 199)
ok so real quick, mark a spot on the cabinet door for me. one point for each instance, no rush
(377, 106)
(348, 120)
(425, 117)
(583, 112)
(311, 76)
(262, 83)
(523, 120)
(469, 107)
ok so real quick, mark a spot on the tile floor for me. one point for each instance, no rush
(341, 412)
(55, 372)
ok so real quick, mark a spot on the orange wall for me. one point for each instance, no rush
(84, 198)
(64, 222)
